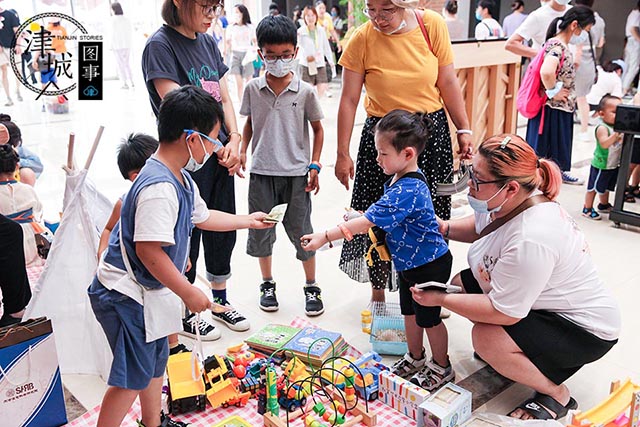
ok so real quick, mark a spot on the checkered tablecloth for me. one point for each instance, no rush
(387, 416)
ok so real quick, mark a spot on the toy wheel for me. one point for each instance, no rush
(373, 396)
(202, 404)
(225, 405)
(303, 401)
(616, 224)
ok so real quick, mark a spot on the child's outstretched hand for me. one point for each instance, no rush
(313, 183)
(312, 242)
(257, 221)
(195, 300)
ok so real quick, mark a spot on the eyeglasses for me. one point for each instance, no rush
(271, 59)
(475, 182)
(384, 14)
(215, 10)
(217, 145)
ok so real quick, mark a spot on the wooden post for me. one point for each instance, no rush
(94, 147)
(72, 140)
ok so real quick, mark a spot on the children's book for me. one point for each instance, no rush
(271, 337)
(305, 343)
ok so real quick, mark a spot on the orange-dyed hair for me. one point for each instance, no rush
(517, 161)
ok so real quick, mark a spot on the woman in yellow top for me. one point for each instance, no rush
(399, 69)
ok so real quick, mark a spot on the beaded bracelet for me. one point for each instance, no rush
(326, 235)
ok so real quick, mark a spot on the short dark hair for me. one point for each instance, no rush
(337, 8)
(278, 29)
(134, 151)
(117, 8)
(487, 4)
(451, 6)
(188, 107)
(517, 4)
(8, 159)
(588, 3)
(611, 66)
(605, 100)
(273, 7)
(15, 135)
(408, 129)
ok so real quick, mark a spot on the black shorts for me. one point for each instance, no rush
(555, 345)
(602, 180)
(438, 270)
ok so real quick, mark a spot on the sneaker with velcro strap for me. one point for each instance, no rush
(208, 332)
(408, 365)
(433, 376)
(231, 318)
(268, 299)
(313, 305)
(591, 214)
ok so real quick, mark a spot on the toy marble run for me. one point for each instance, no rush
(620, 409)
(316, 398)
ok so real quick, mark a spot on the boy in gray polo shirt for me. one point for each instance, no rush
(284, 165)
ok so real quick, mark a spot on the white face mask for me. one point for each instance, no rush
(278, 68)
(563, 2)
(482, 206)
(401, 26)
(192, 165)
(582, 38)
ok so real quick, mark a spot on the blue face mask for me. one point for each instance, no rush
(478, 16)
(582, 38)
(482, 206)
(192, 165)
(334, 13)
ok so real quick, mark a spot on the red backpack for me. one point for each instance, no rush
(531, 95)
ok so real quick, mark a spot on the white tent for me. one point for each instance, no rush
(61, 292)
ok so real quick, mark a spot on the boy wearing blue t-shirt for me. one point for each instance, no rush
(418, 251)
(284, 165)
(134, 292)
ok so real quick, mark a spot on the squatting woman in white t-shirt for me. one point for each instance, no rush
(540, 310)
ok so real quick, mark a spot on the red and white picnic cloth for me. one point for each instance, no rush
(387, 416)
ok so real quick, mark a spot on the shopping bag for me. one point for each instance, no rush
(30, 383)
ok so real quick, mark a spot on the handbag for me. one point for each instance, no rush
(30, 384)
(531, 201)
(162, 308)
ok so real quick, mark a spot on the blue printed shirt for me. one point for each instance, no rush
(405, 212)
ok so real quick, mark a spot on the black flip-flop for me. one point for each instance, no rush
(537, 407)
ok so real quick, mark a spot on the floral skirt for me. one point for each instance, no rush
(436, 162)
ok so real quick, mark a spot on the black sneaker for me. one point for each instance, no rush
(605, 207)
(268, 300)
(208, 332)
(165, 421)
(180, 348)
(232, 319)
(313, 305)
(8, 320)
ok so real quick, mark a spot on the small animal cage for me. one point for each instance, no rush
(388, 335)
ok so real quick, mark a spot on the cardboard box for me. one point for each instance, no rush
(400, 394)
(448, 407)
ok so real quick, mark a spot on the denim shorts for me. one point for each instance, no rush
(135, 362)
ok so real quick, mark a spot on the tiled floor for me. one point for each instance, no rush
(616, 250)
